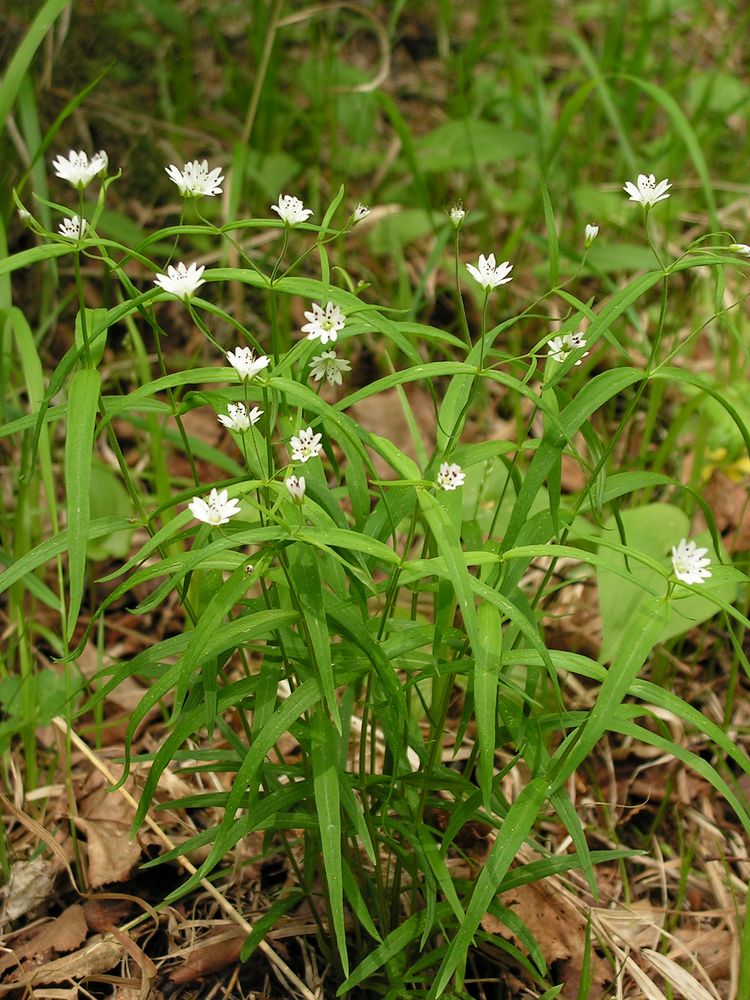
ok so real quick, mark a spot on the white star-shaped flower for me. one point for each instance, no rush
(218, 509)
(195, 179)
(306, 446)
(78, 170)
(328, 366)
(296, 487)
(245, 363)
(646, 190)
(239, 419)
(450, 476)
(742, 248)
(72, 228)
(361, 212)
(324, 323)
(488, 273)
(561, 347)
(689, 562)
(291, 210)
(181, 281)
(589, 235)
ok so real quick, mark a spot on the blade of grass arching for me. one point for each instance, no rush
(52, 547)
(393, 946)
(439, 869)
(301, 700)
(267, 922)
(19, 64)
(357, 902)
(83, 399)
(620, 724)
(487, 664)
(305, 567)
(553, 249)
(324, 753)
(635, 647)
(521, 817)
(678, 375)
(567, 813)
(214, 614)
(608, 102)
(590, 398)
(645, 691)
(33, 376)
(685, 130)
(446, 534)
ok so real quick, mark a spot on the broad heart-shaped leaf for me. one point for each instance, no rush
(653, 530)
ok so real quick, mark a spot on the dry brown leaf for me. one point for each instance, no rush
(65, 933)
(218, 950)
(711, 946)
(729, 502)
(557, 928)
(29, 886)
(101, 914)
(112, 855)
(99, 955)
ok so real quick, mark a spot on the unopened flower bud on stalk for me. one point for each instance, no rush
(296, 487)
(457, 214)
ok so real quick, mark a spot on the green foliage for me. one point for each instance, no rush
(352, 620)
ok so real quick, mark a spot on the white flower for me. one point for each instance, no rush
(216, 510)
(195, 179)
(689, 563)
(328, 366)
(291, 210)
(488, 274)
(306, 446)
(648, 192)
(296, 487)
(324, 323)
(560, 347)
(245, 363)
(590, 234)
(361, 212)
(72, 228)
(78, 170)
(239, 419)
(450, 476)
(181, 281)
(457, 214)
(740, 248)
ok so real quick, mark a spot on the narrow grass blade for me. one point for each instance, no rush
(307, 576)
(515, 829)
(324, 752)
(14, 74)
(83, 398)
(634, 649)
(487, 663)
